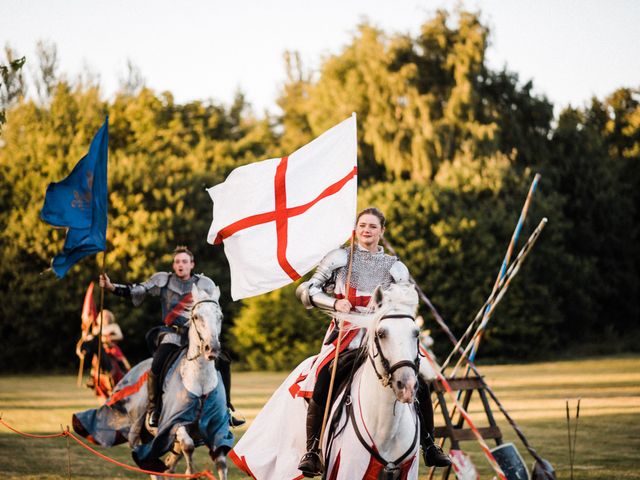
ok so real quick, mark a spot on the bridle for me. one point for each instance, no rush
(195, 325)
(389, 466)
(389, 369)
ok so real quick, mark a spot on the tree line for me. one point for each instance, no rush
(447, 149)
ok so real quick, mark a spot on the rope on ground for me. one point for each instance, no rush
(67, 433)
(30, 435)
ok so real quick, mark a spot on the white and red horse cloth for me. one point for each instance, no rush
(279, 217)
(276, 440)
(273, 445)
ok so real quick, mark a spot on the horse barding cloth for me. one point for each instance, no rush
(276, 441)
(277, 218)
(121, 418)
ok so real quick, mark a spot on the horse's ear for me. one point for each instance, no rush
(377, 296)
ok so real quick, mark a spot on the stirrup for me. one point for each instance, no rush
(311, 464)
(151, 422)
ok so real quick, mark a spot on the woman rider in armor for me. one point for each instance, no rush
(327, 290)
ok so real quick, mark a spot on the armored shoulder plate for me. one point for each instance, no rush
(152, 286)
(399, 272)
(159, 279)
(334, 259)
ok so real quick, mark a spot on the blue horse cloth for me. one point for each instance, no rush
(121, 418)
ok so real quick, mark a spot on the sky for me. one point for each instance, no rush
(209, 49)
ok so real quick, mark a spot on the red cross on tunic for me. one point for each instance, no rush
(282, 214)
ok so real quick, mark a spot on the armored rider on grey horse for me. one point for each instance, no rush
(174, 290)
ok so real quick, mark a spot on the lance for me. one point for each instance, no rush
(507, 257)
(457, 344)
(497, 295)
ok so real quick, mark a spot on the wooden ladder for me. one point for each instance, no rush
(456, 431)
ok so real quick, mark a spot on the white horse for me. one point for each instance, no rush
(194, 408)
(373, 427)
(376, 416)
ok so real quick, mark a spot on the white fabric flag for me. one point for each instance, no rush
(279, 217)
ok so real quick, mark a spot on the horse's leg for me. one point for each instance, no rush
(187, 446)
(173, 457)
(221, 465)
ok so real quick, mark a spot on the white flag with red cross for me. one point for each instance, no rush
(277, 218)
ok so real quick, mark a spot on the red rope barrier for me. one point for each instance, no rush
(30, 435)
(68, 434)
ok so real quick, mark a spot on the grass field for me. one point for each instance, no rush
(608, 444)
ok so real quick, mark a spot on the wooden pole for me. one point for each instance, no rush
(80, 368)
(100, 315)
(457, 344)
(334, 369)
(505, 261)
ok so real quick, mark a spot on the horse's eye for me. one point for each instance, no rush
(381, 334)
(416, 333)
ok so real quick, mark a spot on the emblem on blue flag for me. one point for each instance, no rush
(79, 203)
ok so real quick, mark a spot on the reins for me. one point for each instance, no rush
(388, 368)
(347, 400)
(389, 466)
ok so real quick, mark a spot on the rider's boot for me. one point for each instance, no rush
(431, 452)
(152, 393)
(233, 420)
(311, 464)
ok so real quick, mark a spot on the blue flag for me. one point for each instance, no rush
(79, 203)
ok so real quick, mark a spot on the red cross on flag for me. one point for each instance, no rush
(279, 217)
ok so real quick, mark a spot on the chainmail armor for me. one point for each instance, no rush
(368, 270)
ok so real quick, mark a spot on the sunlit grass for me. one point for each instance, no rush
(608, 445)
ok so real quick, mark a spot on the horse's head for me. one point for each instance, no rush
(205, 323)
(393, 339)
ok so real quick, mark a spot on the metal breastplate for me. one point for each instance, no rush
(368, 270)
(173, 292)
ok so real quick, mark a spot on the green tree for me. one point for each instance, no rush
(274, 332)
(420, 100)
(12, 85)
(162, 156)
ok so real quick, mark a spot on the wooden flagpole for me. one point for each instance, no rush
(334, 369)
(80, 368)
(100, 315)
